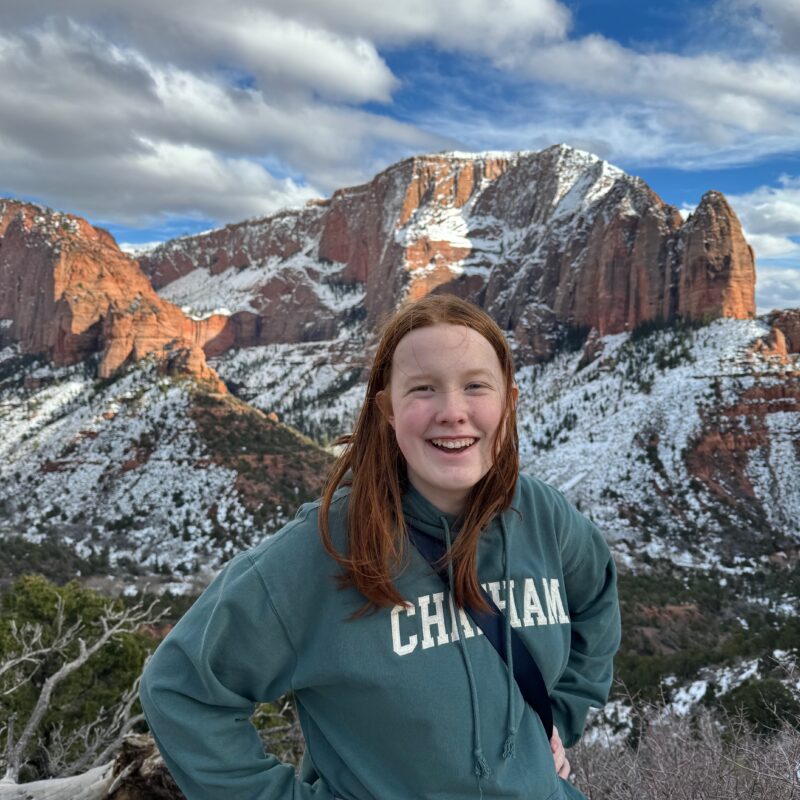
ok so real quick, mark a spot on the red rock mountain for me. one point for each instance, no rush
(541, 240)
(70, 292)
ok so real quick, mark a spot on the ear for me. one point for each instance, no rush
(384, 402)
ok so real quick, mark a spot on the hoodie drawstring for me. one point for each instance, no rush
(509, 746)
(482, 769)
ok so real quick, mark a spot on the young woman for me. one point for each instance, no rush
(398, 692)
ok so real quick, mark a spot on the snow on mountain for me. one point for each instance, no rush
(131, 474)
(542, 240)
(616, 435)
(680, 438)
(71, 429)
(316, 387)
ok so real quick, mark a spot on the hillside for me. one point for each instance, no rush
(145, 474)
(158, 415)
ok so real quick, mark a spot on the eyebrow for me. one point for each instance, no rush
(413, 377)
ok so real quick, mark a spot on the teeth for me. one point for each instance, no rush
(453, 444)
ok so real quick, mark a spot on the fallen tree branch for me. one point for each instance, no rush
(92, 785)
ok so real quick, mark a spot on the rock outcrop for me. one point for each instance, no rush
(544, 241)
(732, 433)
(717, 277)
(70, 292)
(787, 324)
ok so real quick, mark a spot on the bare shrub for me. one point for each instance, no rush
(280, 730)
(704, 756)
(46, 658)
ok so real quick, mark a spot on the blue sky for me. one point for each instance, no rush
(162, 119)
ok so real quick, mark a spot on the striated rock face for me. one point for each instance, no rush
(717, 277)
(735, 431)
(786, 324)
(543, 241)
(70, 292)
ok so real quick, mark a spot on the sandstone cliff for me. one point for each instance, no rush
(69, 292)
(543, 241)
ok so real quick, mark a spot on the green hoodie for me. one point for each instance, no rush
(401, 703)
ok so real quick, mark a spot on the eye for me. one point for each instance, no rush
(427, 388)
(476, 386)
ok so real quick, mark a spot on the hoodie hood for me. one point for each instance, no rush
(423, 514)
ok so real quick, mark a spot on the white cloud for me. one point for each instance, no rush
(720, 106)
(96, 96)
(770, 216)
(777, 287)
(314, 36)
(94, 126)
(771, 209)
(777, 22)
(486, 27)
(709, 98)
(626, 131)
(767, 245)
(284, 54)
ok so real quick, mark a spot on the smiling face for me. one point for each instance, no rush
(445, 402)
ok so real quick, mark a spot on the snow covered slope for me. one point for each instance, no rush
(681, 442)
(144, 474)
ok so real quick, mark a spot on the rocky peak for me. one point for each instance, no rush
(785, 327)
(718, 267)
(543, 240)
(70, 292)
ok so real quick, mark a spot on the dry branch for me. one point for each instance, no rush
(114, 622)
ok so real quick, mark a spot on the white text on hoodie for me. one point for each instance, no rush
(432, 628)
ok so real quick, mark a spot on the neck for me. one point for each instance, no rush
(453, 505)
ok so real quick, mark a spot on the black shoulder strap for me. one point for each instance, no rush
(526, 671)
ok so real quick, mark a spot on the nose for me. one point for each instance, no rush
(451, 408)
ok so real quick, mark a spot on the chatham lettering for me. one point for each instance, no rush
(433, 621)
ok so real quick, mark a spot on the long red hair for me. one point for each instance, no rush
(372, 464)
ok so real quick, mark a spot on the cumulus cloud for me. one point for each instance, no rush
(627, 131)
(311, 43)
(708, 102)
(198, 109)
(730, 102)
(767, 245)
(161, 108)
(280, 100)
(476, 26)
(777, 287)
(770, 216)
(772, 209)
(776, 22)
(89, 124)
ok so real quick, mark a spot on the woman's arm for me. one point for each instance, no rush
(229, 652)
(591, 586)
